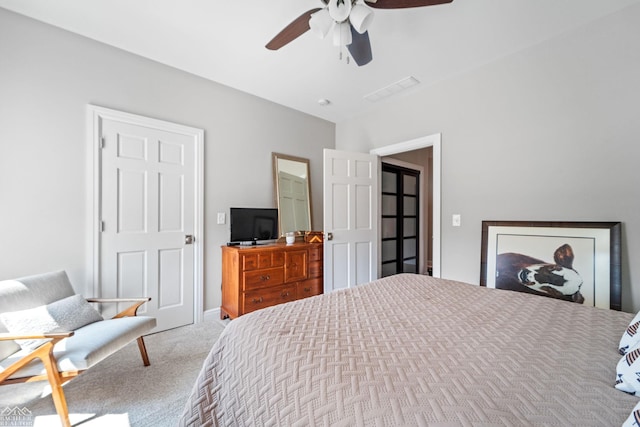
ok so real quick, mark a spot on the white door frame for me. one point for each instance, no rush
(95, 116)
(416, 144)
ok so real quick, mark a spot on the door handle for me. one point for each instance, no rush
(189, 239)
(329, 236)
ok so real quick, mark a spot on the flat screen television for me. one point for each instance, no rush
(253, 225)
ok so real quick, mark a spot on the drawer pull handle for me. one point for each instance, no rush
(257, 300)
(265, 278)
(284, 294)
(307, 289)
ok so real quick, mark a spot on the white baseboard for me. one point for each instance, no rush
(212, 314)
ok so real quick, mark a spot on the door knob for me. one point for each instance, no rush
(329, 236)
(189, 239)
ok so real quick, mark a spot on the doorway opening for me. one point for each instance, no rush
(401, 225)
(430, 236)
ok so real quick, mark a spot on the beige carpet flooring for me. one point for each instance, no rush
(120, 391)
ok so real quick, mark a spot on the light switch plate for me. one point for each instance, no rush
(222, 218)
(456, 220)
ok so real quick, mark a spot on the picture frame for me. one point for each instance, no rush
(554, 259)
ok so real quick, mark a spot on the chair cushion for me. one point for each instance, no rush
(67, 314)
(90, 344)
(33, 291)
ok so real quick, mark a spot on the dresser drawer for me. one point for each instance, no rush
(262, 278)
(270, 259)
(277, 259)
(262, 298)
(309, 288)
(260, 260)
(295, 266)
(249, 261)
(315, 253)
(315, 269)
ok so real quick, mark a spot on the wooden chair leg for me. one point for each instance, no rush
(143, 352)
(57, 393)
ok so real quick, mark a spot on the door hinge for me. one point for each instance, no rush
(102, 142)
(102, 226)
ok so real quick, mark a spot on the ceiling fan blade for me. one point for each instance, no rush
(295, 29)
(360, 47)
(402, 4)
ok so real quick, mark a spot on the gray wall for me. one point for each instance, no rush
(549, 133)
(48, 76)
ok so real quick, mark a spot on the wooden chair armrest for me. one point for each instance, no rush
(5, 336)
(130, 311)
(142, 299)
(44, 352)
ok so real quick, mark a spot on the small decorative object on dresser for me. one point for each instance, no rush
(313, 236)
(255, 277)
(290, 238)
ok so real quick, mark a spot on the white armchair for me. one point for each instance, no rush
(47, 332)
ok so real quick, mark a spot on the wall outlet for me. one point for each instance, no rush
(456, 220)
(222, 218)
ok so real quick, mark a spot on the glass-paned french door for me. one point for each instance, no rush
(400, 214)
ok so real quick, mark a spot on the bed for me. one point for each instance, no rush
(415, 350)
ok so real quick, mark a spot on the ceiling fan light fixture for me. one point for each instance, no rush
(361, 18)
(340, 9)
(342, 34)
(320, 23)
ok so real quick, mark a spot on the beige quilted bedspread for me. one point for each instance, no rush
(414, 350)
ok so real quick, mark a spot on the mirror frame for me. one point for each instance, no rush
(278, 156)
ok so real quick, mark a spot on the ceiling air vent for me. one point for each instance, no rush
(392, 89)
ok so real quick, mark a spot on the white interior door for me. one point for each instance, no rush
(351, 217)
(148, 211)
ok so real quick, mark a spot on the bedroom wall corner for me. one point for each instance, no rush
(547, 133)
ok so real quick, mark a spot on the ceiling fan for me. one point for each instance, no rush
(350, 20)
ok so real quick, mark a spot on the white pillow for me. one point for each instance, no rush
(64, 315)
(628, 372)
(634, 417)
(631, 335)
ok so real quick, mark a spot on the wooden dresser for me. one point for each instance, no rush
(255, 277)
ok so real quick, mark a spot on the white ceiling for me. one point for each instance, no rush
(224, 41)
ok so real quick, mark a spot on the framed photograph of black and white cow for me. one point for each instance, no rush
(573, 261)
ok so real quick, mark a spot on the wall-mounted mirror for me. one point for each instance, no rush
(293, 192)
